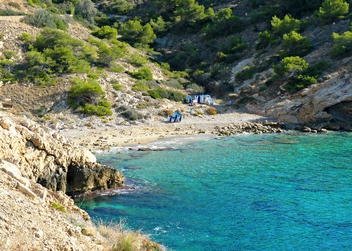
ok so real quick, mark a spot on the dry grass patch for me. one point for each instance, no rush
(118, 238)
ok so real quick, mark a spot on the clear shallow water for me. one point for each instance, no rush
(247, 192)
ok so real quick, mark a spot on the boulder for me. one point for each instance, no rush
(13, 171)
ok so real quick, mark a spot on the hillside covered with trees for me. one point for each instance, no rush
(250, 52)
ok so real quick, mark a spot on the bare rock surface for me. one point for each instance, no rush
(30, 219)
(43, 156)
(323, 105)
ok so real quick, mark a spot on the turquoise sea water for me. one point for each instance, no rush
(246, 192)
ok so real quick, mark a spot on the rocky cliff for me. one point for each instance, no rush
(324, 105)
(34, 218)
(37, 167)
(45, 157)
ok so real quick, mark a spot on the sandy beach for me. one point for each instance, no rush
(122, 135)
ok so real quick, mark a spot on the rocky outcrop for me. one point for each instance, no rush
(323, 105)
(250, 127)
(44, 156)
(34, 218)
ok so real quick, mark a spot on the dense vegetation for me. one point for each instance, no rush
(213, 44)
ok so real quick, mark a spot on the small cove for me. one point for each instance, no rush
(244, 192)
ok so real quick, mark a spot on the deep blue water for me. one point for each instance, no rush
(246, 192)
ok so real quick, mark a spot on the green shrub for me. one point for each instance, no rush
(193, 55)
(316, 69)
(197, 73)
(42, 18)
(58, 207)
(342, 46)
(203, 65)
(26, 38)
(265, 13)
(301, 75)
(137, 34)
(235, 45)
(120, 7)
(179, 74)
(140, 86)
(88, 97)
(15, 5)
(6, 71)
(40, 77)
(51, 38)
(291, 65)
(105, 32)
(246, 100)
(264, 40)
(228, 53)
(190, 16)
(66, 7)
(212, 111)
(195, 88)
(246, 73)
(174, 83)
(159, 25)
(1, 36)
(332, 10)
(114, 67)
(116, 85)
(130, 113)
(165, 66)
(295, 45)
(101, 19)
(220, 57)
(9, 54)
(224, 23)
(136, 59)
(101, 109)
(94, 74)
(296, 8)
(307, 77)
(8, 12)
(299, 82)
(64, 61)
(108, 53)
(85, 9)
(161, 93)
(176, 96)
(143, 73)
(262, 87)
(286, 25)
(33, 2)
(106, 56)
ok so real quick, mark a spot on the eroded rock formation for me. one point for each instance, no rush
(44, 156)
(323, 105)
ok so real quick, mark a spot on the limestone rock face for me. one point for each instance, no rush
(91, 177)
(44, 156)
(29, 219)
(323, 105)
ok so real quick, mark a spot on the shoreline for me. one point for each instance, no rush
(107, 137)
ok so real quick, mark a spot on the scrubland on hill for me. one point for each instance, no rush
(108, 73)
